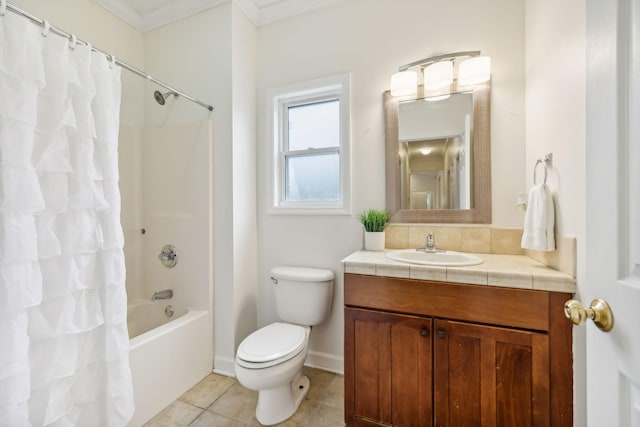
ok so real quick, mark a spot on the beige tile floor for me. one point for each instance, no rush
(219, 401)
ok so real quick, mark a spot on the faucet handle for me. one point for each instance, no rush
(430, 244)
(168, 256)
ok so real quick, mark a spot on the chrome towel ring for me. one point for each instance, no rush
(547, 162)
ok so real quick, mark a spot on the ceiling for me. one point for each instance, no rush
(149, 14)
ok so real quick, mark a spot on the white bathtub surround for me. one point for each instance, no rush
(176, 200)
(64, 358)
(168, 360)
(145, 315)
(167, 191)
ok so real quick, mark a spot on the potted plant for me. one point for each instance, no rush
(374, 222)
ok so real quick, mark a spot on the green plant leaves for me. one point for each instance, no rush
(374, 220)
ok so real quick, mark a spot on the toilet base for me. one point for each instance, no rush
(277, 404)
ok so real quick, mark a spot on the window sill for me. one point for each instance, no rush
(307, 210)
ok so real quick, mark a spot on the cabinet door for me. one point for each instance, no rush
(388, 369)
(488, 376)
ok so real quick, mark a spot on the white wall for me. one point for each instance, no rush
(245, 227)
(555, 122)
(370, 40)
(193, 56)
(211, 56)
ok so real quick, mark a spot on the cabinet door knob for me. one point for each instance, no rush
(442, 334)
(424, 332)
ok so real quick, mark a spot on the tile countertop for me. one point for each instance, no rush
(509, 271)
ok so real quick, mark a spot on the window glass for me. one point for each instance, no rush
(313, 178)
(311, 147)
(315, 125)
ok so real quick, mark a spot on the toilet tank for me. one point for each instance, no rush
(303, 295)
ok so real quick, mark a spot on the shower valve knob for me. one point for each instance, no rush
(168, 256)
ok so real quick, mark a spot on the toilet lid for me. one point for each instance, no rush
(272, 342)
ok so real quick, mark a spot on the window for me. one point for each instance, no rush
(311, 173)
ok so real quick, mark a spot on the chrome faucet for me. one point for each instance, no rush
(166, 294)
(430, 244)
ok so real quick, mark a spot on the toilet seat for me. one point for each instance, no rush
(271, 345)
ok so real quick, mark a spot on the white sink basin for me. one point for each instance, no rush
(445, 259)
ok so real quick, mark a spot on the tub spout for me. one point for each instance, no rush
(166, 294)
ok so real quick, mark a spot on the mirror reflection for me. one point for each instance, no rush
(435, 152)
(451, 184)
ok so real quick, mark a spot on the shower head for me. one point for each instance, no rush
(162, 98)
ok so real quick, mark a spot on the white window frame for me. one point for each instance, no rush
(280, 99)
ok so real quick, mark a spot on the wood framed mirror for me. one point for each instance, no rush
(456, 187)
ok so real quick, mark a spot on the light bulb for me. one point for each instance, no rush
(404, 83)
(438, 75)
(474, 70)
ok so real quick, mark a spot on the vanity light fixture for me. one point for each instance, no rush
(404, 83)
(438, 75)
(438, 72)
(425, 151)
(474, 70)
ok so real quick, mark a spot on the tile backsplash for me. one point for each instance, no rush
(562, 259)
(481, 239)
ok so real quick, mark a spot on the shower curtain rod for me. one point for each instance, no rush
(124, 65)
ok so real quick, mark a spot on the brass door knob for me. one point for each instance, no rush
(600, 312)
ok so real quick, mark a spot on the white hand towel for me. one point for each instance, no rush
(539, 220)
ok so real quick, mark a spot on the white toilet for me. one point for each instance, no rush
(270, 360)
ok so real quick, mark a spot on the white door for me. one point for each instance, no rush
(613, 210)
(418, 200)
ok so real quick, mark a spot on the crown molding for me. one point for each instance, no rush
(173, 11)
(288, 8)
(179, 9)
(176, 11)
(250, 9)
(123, 11)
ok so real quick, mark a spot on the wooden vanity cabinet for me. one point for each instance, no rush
(420, 353)
(390, 375)
(490, 376)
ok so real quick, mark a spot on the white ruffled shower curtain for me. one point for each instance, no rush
(63, 335)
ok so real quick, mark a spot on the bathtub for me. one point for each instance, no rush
(168, 354)
(145, 315)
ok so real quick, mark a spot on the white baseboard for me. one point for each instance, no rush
(325, 361)
(224, 366)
